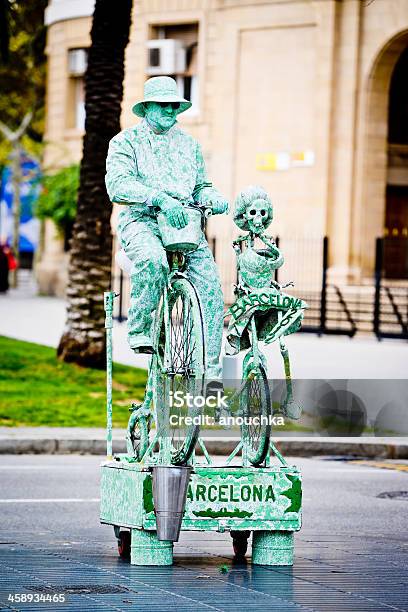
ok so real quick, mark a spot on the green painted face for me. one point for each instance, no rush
(161, 116)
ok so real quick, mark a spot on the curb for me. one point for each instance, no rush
(297, 447)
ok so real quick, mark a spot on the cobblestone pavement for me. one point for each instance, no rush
(350, 555)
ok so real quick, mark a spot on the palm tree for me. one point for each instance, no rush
(89, 275)
(4, 30)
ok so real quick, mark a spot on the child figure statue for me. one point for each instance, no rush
(258, 295)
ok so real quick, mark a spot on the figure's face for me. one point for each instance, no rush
(257, 216)
(162, 114)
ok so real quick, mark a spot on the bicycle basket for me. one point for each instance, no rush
(185, 239)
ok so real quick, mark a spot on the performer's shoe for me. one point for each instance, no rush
(146, 349)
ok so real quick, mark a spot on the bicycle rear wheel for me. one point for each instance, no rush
(181, 359)
(256, 408)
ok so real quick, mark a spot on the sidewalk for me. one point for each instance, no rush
(92, 441)
(25, 316)
(41, 319)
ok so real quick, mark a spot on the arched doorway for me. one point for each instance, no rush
(376, 196)
(396, 198)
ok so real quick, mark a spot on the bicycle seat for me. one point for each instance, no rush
(124, 263)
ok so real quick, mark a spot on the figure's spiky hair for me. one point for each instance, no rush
(244, 199)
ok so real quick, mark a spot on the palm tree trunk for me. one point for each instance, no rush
(4, 31)
(89, 275)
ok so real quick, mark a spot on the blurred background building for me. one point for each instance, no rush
(307, 98)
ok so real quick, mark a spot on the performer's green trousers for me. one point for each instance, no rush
(142, 244)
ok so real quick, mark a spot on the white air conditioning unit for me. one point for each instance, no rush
(165, 56)
(77, 62)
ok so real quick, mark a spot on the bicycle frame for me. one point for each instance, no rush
(256, 497)
(160, 366)
(160, 375)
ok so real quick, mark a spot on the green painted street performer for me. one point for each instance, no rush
(155, 166)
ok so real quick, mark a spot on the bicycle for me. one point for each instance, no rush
(261, 311)
(178, 360)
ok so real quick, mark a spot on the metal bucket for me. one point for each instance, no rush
(169, 494)
(185, 239)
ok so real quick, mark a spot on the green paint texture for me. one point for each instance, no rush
(156, 172)
(258, 295)
(217, 498)
(146, 549)
(156, 167)
(272, 548)
(294, 494)
(148, 495)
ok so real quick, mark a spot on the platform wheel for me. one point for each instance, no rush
(124, 541)
(240, 543)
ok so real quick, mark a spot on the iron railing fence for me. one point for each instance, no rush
(379, 306)
(390, 318)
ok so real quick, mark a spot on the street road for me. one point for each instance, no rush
(350, 555)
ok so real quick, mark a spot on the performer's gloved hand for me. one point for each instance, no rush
(172, 209)
(217, 203)
(219, 206)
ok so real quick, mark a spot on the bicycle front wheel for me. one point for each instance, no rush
(181, 358)
(256, 408)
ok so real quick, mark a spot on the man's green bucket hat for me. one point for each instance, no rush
(160, 89)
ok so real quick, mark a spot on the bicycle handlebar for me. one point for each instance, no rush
(205, 210)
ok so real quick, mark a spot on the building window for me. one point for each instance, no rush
(77, 64)
(172, 51)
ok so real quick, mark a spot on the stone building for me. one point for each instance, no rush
(307, 98)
